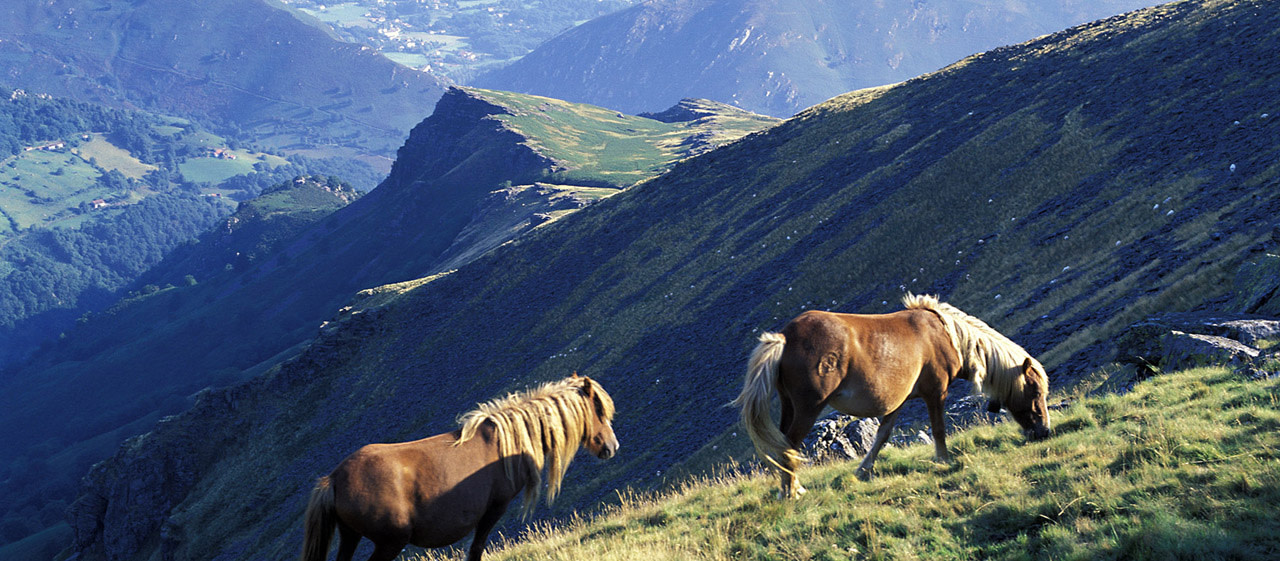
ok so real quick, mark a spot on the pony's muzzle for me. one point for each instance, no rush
(1037, 433)
(606, 446)
(608, 450)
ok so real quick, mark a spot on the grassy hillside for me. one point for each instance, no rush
(1031, 186)
(1186, 466)
(774, 57)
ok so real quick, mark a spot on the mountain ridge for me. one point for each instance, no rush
(773, 57)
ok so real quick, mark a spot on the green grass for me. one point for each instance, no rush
(41, 187)
(108, 156)
(344, 14)
(1185, 466)
(214, 170)
(595, 145)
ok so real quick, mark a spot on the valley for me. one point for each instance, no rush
(451, 38)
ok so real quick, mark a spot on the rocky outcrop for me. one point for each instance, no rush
(1187, 340)
(448, 142)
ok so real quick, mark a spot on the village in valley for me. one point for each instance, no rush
(458, 39)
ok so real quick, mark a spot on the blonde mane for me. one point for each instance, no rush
(988, 359)
(546, 425)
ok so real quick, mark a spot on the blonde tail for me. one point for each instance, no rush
(757, 389)
(319, 522)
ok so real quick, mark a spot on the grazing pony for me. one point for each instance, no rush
(868, 365)
(433, 492)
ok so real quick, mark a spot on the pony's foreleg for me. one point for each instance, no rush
(882, 436)
(938, 422)
(486, 524)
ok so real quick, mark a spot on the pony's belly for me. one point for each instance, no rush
(859, 404)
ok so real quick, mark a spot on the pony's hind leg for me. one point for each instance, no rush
(787, 469)
(801, 422)
(386, 551)
(348, 539)
(882, 436)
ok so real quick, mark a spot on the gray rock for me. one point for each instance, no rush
(1183, 340)
(1189, 350)
(1257, 286)
(840, 437)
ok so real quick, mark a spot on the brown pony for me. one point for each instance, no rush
(433, 492)
(869, 365)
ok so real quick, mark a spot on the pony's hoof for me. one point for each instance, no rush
(793, 493)
(863, 474)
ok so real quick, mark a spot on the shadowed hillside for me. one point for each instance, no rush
(484, 169)
(1059, 189)
(775, 57)
(240, 63)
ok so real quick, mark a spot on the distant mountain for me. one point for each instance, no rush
(484, 169)
(1060, 189)
(775, 57)
(240, 63)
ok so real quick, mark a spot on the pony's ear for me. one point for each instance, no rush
(993, 406)
(1028, 366)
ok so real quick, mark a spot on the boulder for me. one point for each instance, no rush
(1182, 340)
(1189, 350)
(1257, 286)
(840, 437)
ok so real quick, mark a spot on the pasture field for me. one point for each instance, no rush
(108, 156)
(347, 14)
(214, 170)
(412, 60)
(41, 186)
(1185, 466)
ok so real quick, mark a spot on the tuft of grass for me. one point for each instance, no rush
(1187, 465)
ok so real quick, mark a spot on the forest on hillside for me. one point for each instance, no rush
(92, 196)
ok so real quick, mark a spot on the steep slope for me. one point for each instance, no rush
(242, 63)
(1060, 189)
(45, 474)
(774, 57)
(265, 280)
(257, 230)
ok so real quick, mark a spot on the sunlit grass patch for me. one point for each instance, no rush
(1185, 466)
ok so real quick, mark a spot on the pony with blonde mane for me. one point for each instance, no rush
(433, 492)
(868, 365)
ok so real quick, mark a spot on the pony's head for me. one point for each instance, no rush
(598, 438)
(1026, 400)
